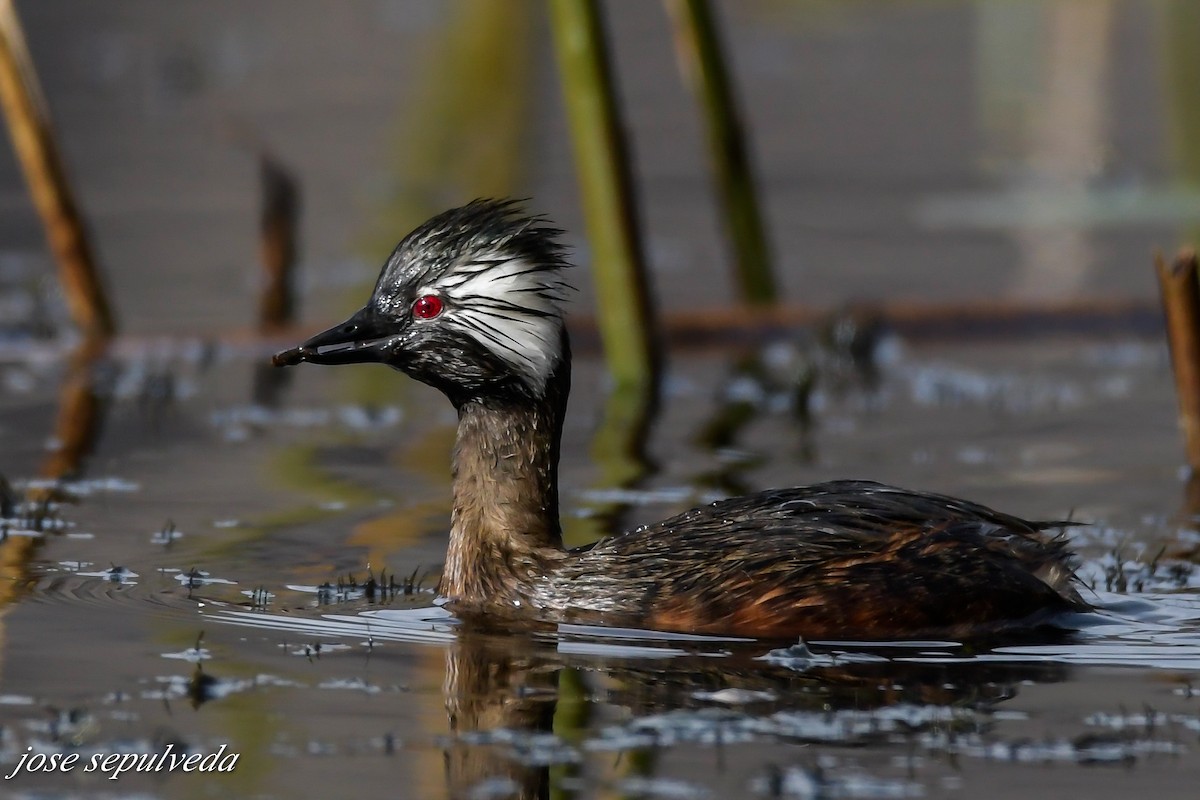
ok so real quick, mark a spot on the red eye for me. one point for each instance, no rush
(427, 306)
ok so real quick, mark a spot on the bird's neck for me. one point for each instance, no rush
(504, 529)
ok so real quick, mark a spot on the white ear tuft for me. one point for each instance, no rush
(511, 307)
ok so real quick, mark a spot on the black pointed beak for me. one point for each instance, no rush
(362, 338)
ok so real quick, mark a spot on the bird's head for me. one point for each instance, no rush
(469, 303)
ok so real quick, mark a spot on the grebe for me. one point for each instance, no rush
(470, 303)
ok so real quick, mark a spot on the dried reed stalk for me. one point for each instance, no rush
(1181, 304)
(277, 230)
(33, 139)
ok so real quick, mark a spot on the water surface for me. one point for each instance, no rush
(260, 576)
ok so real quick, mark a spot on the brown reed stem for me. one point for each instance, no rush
(1181, 304)
(278, 224)
(33, 140)
(80, 414)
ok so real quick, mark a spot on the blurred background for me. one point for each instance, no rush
(913, 150)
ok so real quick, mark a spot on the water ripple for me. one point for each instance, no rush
(1153, 630)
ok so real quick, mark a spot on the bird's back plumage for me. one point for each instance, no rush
(826, 560)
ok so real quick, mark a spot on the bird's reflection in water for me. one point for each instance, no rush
(490, 686)
(502, 692)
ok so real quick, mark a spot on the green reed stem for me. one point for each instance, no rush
(703, 66)
(602, 163)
